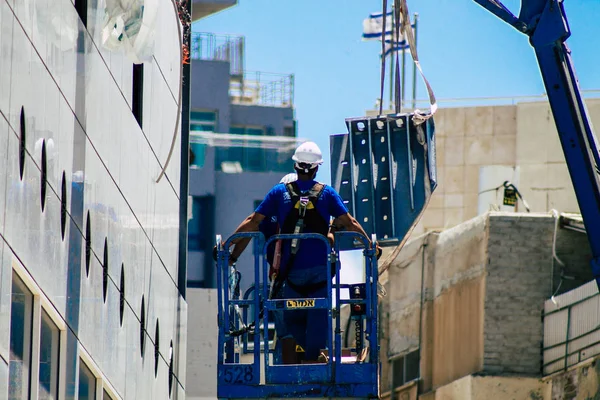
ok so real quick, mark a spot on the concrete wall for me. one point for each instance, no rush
(521, 137)
(272, 118)
(582, 382)
(519, 280)
(490, 387)
(201, 376)
(446, 319)
(472, 296)
(210, 90)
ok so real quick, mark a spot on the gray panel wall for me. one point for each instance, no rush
(210, 90)
(275, 118)
(80, 98)
(235, 194)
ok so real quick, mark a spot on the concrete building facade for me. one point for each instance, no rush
(233, 114)
(469, 301)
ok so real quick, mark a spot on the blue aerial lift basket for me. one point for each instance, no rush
(253, 375)
(384, 169)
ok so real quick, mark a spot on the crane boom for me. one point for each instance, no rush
(545, 22)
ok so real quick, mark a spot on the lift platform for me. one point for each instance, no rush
(252, 374)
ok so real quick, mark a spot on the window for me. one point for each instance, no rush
(196, 235)
(200, 241)
(87, 383)
(405, 369)
(49, 347)
(197, 155)
(289, 131)
(201, 121)
(246, 152)
(21, 316)
(106, 396)
(254, 157)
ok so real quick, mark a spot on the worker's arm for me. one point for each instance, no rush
(349, 223)
(250, 224)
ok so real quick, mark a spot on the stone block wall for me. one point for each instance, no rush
(519, 280)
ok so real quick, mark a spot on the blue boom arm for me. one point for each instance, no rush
(545, 23)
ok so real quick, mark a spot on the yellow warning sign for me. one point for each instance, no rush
(299, 349)
(304, 303)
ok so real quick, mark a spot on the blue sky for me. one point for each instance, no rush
(465, 52)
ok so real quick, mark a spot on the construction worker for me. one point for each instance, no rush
(270, 227)
(303, 206)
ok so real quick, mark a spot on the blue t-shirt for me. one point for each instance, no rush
(268, 227)
(278, 203)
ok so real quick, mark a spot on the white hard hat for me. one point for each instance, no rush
(289, 178)
(308, 153)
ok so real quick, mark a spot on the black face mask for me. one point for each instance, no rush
(305, 167)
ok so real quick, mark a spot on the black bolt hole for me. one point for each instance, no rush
(122, 304)
(22, 144)
(156, 352)
(44, 177)
(105, 270)
(88, 244)
(143, 327)
(63, 205)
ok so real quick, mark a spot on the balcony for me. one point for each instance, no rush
(246, 87)
(204, 8)
(263, 89)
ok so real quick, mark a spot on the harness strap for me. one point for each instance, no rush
(302, 201)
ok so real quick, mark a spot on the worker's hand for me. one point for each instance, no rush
(378, 250)
(232, 260)
(214, 253)
(331, 239)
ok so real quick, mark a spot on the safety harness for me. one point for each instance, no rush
(304, 217)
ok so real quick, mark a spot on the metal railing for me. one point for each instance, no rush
(210, 46)
(571, 328)
(263, 88)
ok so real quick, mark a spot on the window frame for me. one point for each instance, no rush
(41, 302)
(246, 151)
(28, 317)
(203, 122)
(403, 359)
(55, 352)
(102, 384)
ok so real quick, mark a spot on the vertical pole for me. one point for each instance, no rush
(403, 75)
(414, 80)
(184, 164)
(391, 80)
(391, 61)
